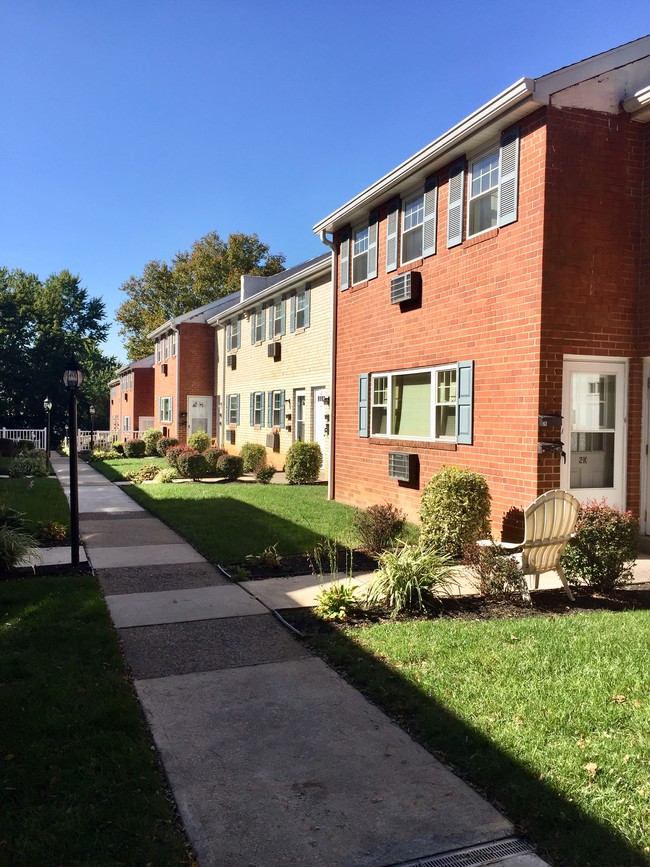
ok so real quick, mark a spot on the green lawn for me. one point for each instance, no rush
(80, 782)
(549, 716)
(41, 499)
(116, 470)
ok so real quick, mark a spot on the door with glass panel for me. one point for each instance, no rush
(199, 415)
(594, 431)
(300, 415)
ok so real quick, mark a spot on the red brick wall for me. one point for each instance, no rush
(594, 196)
(481, 301)
(165, 386)
(143, 384)
(197, 370)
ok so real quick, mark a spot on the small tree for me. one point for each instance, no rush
(454, 510)
(199, 441)
(303, 463)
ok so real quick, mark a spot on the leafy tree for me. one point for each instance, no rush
(41, 325)
(211, 269)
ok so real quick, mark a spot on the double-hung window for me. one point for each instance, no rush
(232, 409)
(427, 404)
(412, 228)
(278, 317)
(277, 411)
(483, 193)
(158, 351)
(257, 409)
(233, 335)
(126, 424)
(165, 409)
(166, 348)
(257, 325)
(360, 243)
(300, 309)
(174, 345)
(363, 252)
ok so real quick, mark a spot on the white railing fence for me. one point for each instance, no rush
(37, 435)
(103, 438)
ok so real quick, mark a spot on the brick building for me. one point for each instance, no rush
(490, 300)
(132, 398)
(274, 360)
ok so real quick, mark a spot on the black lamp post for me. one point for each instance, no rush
(72, 379)
(91, 410)
(47, 406)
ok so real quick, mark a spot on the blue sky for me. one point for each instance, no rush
(130, 129)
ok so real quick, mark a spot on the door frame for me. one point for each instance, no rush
(606, 364)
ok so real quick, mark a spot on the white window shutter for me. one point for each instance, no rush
(455, 205)
(372, 245)
(392, 231)
(344, 260)
(430, 213)
(508, 177)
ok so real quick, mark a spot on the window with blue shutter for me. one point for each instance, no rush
(252, 418)
(344, 260)
(228, 336)
(292, 316)
(269, 409)
(282, 400)
(392, 232)
(465, 398)
(363, 405)
(455, 205)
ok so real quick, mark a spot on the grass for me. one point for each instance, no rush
(41, 499)
(116, 470)
(550, 717)
(80, 782)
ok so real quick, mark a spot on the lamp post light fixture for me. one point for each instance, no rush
(91, 410)
(72, 379)
(47, 406)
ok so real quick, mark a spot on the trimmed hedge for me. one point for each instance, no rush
(455, 510)
(134, 448)
(303, 463)
(230, 467)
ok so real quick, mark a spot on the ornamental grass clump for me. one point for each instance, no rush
(408, 577)
(603, 551)
(455, 510)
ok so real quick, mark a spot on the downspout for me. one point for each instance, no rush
(177, 414)
(331, 492)
(222, 438)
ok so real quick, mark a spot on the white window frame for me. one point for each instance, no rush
(259, 325)
(158, 351)
(360, 250)
(278, 318)
(388, 376)
(418, 227)
(301, 298)
(126, 423)
(165, 409)
(276, 409)
(174, 344)
(258, 409)
(472, 199)
(235, 333)
(232, 410)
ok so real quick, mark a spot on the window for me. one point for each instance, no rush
(126, 424)
(166, 348)
(165, 409)
(278, 317)
(233, 335)
(412, 225)
(429, 404)
(232, 409)
(158, 351)
(174, 339)
(126, 382)
(257, 409)
(300, 309)
(360, 240)
(364, 253)
(483, 193)
(257, 326)
(277, 416)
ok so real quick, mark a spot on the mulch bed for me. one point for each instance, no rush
(544, 603)
(297, 564)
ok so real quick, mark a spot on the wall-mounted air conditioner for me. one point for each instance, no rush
(231, 362)
(404, 287)
(403, 466)
(230, 437)
(164, 368)
(274, 350)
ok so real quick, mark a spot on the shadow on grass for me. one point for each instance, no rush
(561, 831)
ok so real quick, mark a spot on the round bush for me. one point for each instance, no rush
(303, 463)
(174, 452)
(603, 550)
(265, 474)
(254, 456)
(165, 443)
(454, 510)
(151, 438)
(134, 448)
(199, 441)
(230, 467)
(212, 456)
(379, 526)
(192, 465)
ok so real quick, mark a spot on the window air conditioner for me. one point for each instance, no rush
(274, 350)
(399, 466)
(403, 287)
(164, 369)
(231, 362)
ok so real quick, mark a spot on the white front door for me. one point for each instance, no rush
(318, 415)
(594, 432)
(199, 415)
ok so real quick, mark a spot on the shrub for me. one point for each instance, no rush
(165, 443)
(134, 448)
(119, 448)
(338, 601)
(265, 474)
(100, 453)
(7, 447)
(12, 518)
(192, 465)
(26, 445)
(603, 550)
(379, 526)
(166, 476)
(200, 441)
(51, 531)
(151, 438)
(29, 463)
(147, 473)
(254, 456)
(303, 463)
(408, 575)
(269, 557)
(173, 453)
(455, 510)
(230, 467)
(15, 546)
(493, 572)
(212, 456)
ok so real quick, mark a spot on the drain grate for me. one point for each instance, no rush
(474, 856)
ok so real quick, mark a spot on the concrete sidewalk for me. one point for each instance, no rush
(273, 759)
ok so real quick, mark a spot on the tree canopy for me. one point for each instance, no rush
(42, 323)
(210, 270)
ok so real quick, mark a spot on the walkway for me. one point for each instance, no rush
(272, 757)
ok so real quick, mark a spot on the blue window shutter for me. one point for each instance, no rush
(236, 409)
(307, 304)
(282, 409)
(227, 408)
(252, 327)
(228, 336)
(252, 409)
(372, 245)
(292, 318)
(455, 205)
(363, 405)
(264, 311)
(508, 177)
(262, 410)
(464, 402)
(344, 260)
(283, 314)
(269, 409)
(392, 231)
(430, 212)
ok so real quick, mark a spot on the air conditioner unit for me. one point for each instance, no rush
(274, 350)
(273, 441)
(230, 437)
(404, 287)
(401, 466)
(231, 362)
(164, 369)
